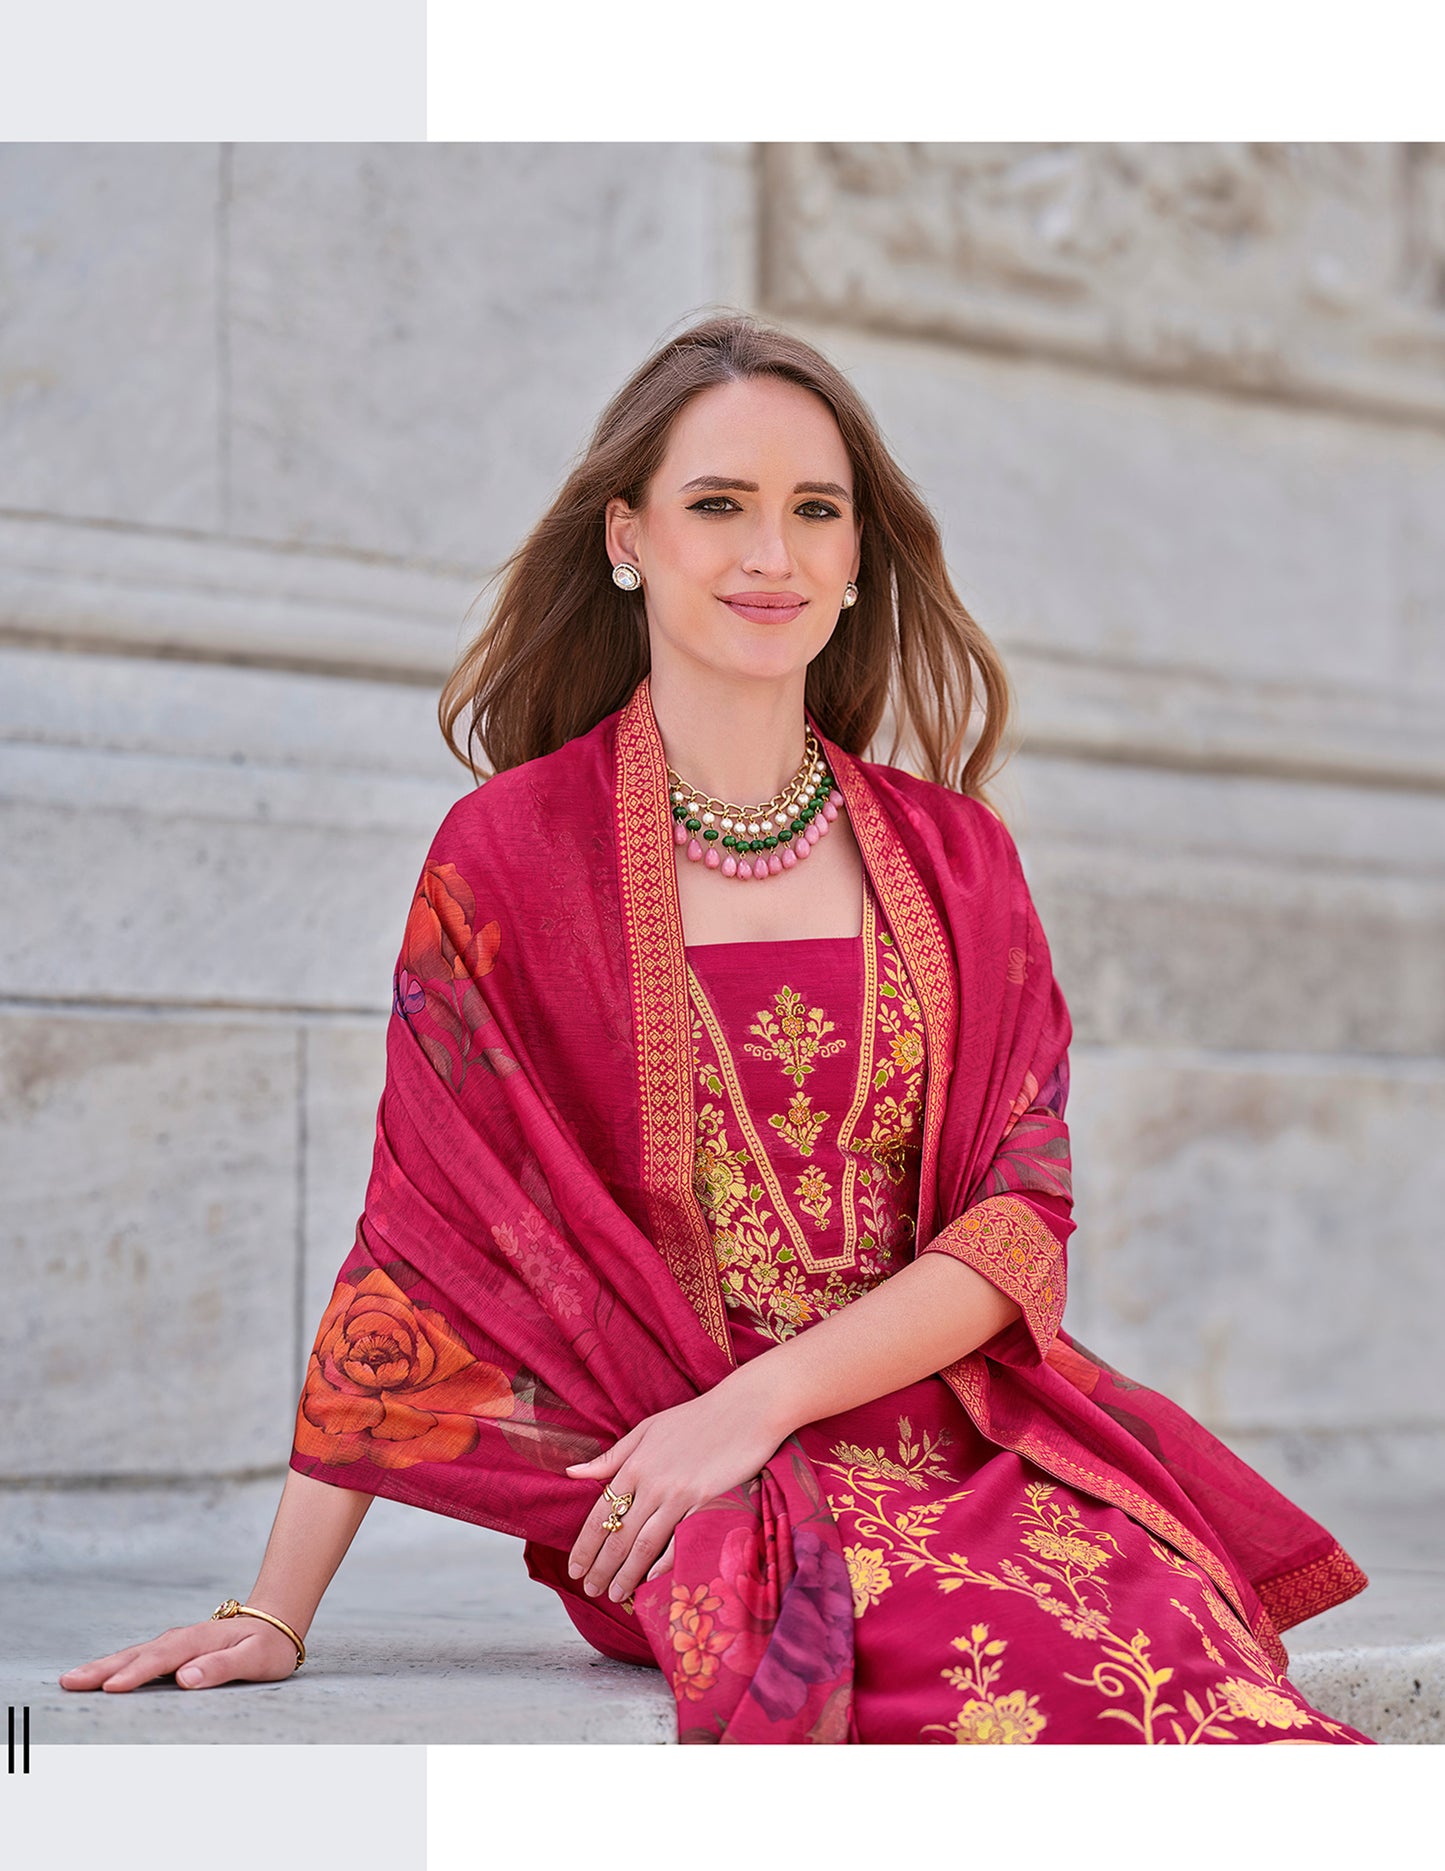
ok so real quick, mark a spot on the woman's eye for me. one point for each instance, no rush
(720, 503)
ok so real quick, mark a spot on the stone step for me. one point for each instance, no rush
(431, 1632)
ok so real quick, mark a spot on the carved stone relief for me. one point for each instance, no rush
(1306, 269)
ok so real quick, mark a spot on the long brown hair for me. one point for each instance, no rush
(564, 647)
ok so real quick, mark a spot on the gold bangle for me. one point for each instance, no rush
(232, 1608)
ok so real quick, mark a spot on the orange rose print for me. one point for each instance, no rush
(391, 1383)
(439, 935)
(696, 1639)
(442, 959)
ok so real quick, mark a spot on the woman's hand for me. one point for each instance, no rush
(223, 1650)
(670, 1463)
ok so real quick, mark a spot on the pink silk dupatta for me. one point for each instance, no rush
(532, 1273)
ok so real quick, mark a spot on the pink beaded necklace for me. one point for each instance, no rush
(759, 841)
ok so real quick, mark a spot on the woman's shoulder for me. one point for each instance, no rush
(929, 802)
(510, 811)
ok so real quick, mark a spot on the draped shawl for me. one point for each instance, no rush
(532, 1273)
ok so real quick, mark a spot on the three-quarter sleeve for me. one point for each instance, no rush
(1015, 1227)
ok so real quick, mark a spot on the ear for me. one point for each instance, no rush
(622, 529)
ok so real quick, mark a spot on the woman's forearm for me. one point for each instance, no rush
(919, 1320)
(315, 1523)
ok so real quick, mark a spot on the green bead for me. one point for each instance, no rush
(693, 825)
(709, 831)
(771, 843)
(679, 813)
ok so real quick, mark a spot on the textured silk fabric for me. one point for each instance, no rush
(992, 1605)
(533, 1272)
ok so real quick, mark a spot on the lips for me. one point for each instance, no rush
(766, 607)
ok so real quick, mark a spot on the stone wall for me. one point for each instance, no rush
(273, 413)
(1182, 409)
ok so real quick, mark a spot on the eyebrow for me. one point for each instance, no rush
(725, 484)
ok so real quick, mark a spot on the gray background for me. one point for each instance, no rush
(271, 414)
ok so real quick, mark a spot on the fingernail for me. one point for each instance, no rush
(574, 1572)
(188, 1676)
(591, 1590)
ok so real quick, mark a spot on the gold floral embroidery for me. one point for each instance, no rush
(917, 1463)
(987, 1719)
(1061, 1568)
(899, 1015)
(759, 1273)
(886, 1227)
(964, 1379)
(1251, 1702)
(795, 1037)
(892, 1136)
(907, 1050)
(868, 1575)
(718, 1181)
(1231, 1627)
(800, 1123)
(1211, 1650)
(844, 1236)
(814, 1196)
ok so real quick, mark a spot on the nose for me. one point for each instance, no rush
(767, 554)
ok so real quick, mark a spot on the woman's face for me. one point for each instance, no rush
(753, 501)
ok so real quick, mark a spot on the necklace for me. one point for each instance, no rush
(759, 841)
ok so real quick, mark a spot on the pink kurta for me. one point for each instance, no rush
(992, 1603)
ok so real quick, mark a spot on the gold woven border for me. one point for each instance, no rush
(1291, 1597)
(1004, 1240)
(1267, 1637)
(657, 969)
(965, 1380)
(920, 936)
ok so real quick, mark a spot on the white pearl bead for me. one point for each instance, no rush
(708, 818)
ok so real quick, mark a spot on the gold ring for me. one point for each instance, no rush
(620, 1505)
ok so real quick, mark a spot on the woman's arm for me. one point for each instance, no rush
(921, 1319)
(315, 1523)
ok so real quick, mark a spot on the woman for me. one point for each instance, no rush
(715, 1237)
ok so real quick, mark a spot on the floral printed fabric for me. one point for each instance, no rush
(991, 1605)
